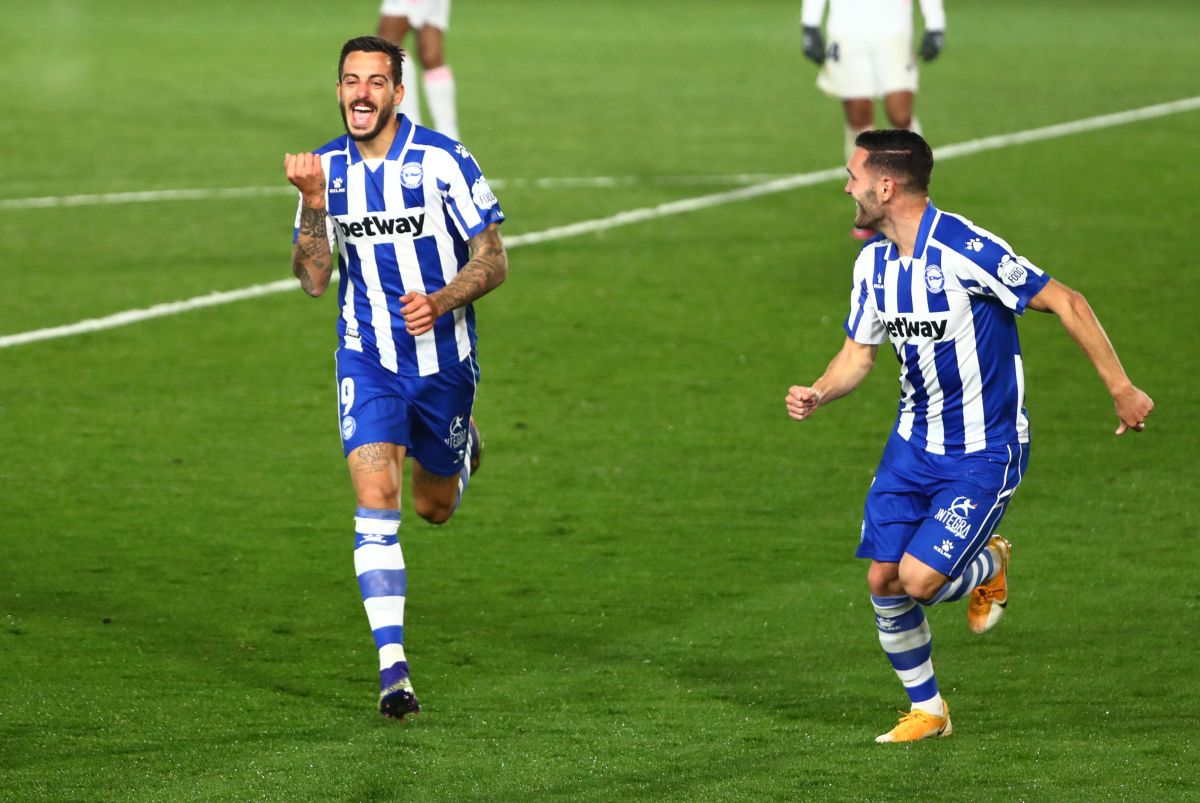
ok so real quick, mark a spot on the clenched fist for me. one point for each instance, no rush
(305, 172)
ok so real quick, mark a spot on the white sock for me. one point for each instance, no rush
(410, 105)
(851, 135)
(933, 705)
(439, 94)
(914, 125)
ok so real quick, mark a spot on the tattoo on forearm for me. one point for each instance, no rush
(312, 260)
(487, 268)
(312, 221)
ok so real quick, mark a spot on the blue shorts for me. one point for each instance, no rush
(428, 415)
(940, 509)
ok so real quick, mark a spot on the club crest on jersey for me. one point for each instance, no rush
(934, 279)
(337, 185)
(481, 194)
(955, 517)
(348, 427)
(412, 175)
(1011, 271)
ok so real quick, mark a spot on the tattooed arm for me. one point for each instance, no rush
(486, 270)
(312, 262)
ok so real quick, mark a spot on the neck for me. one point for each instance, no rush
(378, 146)
(903, 223)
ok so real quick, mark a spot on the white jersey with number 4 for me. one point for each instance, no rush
(871, 19)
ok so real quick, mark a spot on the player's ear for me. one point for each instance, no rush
(398, 96)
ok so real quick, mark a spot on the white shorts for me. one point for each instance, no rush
(419, 12)
(855, 68)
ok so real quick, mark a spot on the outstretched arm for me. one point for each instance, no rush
(485, 271)
(845, 372)
(1077, 318)
(312, 262)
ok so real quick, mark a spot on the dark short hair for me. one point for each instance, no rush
(903, 154)
(374, 44)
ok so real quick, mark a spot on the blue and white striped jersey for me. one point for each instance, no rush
(401, 224)
(950, 313)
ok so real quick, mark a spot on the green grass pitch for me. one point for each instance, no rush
(649, 593)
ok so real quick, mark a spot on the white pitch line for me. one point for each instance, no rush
(631, 216)
(222, 193)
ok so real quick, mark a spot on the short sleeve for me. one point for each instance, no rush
(863, 324)
(994, 270)
(988, 266)
(472, 204)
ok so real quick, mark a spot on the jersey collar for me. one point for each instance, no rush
(923, 231)
(403, 134)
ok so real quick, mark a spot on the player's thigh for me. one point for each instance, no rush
(893, 66)
(899, 108)
(891, 518)
(897, 502)
(372, 406)
(435, 14)
(441, 412)
(422, 13)
(393, 28)
(376, 470)
(431, 47)
(847, 72)
(967, 508)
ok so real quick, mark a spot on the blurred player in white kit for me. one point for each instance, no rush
(430, 19)
(869, 55)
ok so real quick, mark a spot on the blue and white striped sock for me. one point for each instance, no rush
(379, 564)
(464, 474)
(980, 570)
(906, 640)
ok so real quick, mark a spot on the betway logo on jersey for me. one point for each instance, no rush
(375, 226)
(901, 326)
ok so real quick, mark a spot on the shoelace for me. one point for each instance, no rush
(984, 593)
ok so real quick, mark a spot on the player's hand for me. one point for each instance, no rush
(1132, 408)
(931, 44)
(813, 44)
(419, 311)
(306, 174)
(801, 401)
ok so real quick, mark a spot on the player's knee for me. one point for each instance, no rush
(382, 496)
(922, 588)
(434, 511)
(883, 580)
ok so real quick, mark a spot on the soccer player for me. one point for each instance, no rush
(417, 239)
(870, 56)
(946, 294)
(430, 19)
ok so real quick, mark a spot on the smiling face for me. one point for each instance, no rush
(367, 95)
(863, 187)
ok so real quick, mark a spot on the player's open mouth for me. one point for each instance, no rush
(360, 114)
